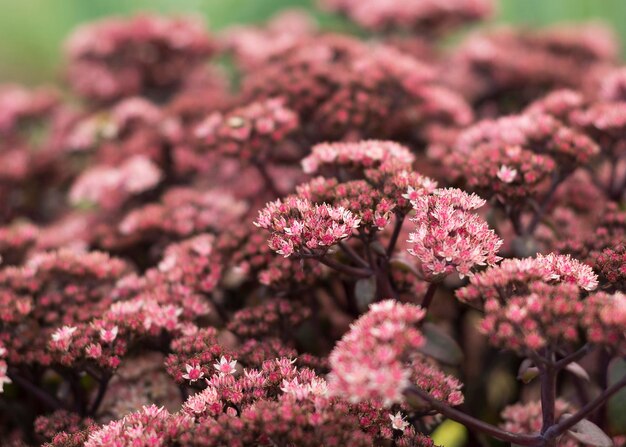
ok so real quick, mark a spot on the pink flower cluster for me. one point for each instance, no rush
(120, 57)
(498, 282)
(108, 187)
(372, 361)
(362, 155)
(253, 132)
(301, 227)
(182, 212)
(165, 315)
(421, 16)
(448, 237)
(526, 418)
(274, 317)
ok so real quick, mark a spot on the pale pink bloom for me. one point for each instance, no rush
(93, 351)
(448, 236)
(108, 335)
(398, 422)
(62, 337)
(225, 367)
(199, 402)
(194, 372)
(371, 361)
(4, 379)
(363, 154)
(507, 174)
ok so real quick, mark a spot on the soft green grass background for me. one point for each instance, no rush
(31, 31)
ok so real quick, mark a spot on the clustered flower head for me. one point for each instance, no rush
(123, 57)
(301, 227)
(253, 132)
(356, 156)
(182, 212)
(449, 237)
(523, 297)
(195, 253)
(108, 187)
(420, 16)
(526, 418)
(506, 68)
(353, 90)
(50, 295)
(274, 317)
(604, 248)
(373, 360)
(516, 156)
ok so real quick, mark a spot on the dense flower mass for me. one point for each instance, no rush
(374, 360)
(354, 156)
(127, 57)
(424, 16)
(300, 227)
(222, 239)
(448, 237)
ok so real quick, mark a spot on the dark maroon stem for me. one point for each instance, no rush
(574, 357)
(267, 178)
(556, 181)
(353, 254)
(43, 396)
(476, 424)
(430, 294)
(557, 430)
(548, 399)
(102, 388)
(348, 270)
(396, 233)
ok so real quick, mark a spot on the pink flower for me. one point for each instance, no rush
(448, 237)
(371, 360)
(507, 174)
(62, 337)
(398, 422)
(4, 379)
(224, 366)
(108, 335)
(194, 372)
(301, 227)
(365, 154)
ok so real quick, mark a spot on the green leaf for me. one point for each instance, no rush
(616, 406)
(450, 434)
(365, 292)
(588, 433)
(527, 371)
(440, 346)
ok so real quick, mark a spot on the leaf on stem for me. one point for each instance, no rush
(616, 406)
(440, 346)
(588, 433)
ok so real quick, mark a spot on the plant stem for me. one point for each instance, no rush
(43, 396)
(102, 388)
(574, 357)
(267, 178)
(560, 428)
(476, 424)
(396, 233)
(348, 270)
(430, 293)
(352, 254)
(556, 181)
(548, 398)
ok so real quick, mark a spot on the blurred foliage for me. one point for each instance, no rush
(31, 31)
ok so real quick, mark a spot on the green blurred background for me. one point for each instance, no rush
(31, 31)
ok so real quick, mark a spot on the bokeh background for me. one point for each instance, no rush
(31, 31)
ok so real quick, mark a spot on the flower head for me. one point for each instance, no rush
(448, 237)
